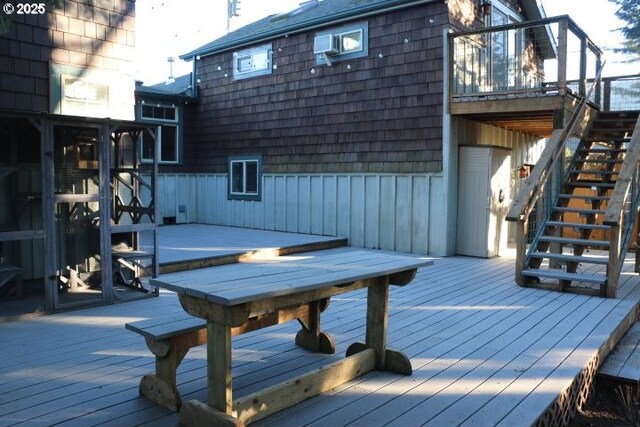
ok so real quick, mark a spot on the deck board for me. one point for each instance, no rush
(484, 352)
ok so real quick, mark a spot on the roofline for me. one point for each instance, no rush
(308, 25)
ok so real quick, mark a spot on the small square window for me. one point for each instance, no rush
(244, 177)
(252, 62)
(351, 42)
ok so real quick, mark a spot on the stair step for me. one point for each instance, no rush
(572, 241)
(583, 197)
(579, 210)
(571, 258)
(595, 172)
(587, 184)
(601, 160)
(561, 275)
(603, 150)
(578, 225)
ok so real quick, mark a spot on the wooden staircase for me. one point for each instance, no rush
(573, 223)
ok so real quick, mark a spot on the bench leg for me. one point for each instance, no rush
(310, 336)
(376, 336)
(161, 387)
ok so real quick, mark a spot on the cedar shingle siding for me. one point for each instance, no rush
(383, 115)
(94, 34)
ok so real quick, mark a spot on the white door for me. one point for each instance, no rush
(483, 200)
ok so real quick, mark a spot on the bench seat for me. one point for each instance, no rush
(169, 338)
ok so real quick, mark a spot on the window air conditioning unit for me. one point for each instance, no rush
(326, 44)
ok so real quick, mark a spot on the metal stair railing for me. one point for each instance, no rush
(535, 185)
(622, 211)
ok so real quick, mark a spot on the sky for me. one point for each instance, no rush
(170, 28)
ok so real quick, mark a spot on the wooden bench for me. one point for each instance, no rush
(9, 273)
(170, 337)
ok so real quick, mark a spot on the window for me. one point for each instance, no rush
(168, 133)
(244, 177)
(252, 62)
(351, 41)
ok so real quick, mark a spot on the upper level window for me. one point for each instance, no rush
(168, 134)
(244, 177)
(351, 41)
(252, 62)
(343, 43)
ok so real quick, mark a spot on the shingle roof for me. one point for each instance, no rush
(313, 14)
(181, 86)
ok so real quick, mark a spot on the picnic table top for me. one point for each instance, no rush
(284, 275)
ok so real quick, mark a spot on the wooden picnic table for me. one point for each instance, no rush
(243, 297)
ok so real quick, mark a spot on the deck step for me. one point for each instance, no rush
(602, 150)
(570, 258)
(595, 172)
(572, 241)
(583, 197)
(583, 184)
(578, 225)
(601, 160)
(561, 275)
(579, 210)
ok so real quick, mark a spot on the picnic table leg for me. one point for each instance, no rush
(310, 336)
(218, 410)
(376, 335)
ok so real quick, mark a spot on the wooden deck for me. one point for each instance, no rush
(623, 364)
(484, 352)
(188, 242)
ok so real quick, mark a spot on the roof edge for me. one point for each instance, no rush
(312, 24)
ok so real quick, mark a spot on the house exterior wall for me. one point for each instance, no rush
(384, 115)
(89, 40)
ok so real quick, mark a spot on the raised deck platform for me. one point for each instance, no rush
(189, 246)
(484, 352)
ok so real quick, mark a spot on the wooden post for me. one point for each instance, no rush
(48, 216)
(598, 88)
(104, 176)
(582, 84)
(613, 267)
(220, 391)
(377, 308)
(521, 248)
(563, 26)
(606, 101)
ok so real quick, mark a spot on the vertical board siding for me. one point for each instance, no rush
(389, 212)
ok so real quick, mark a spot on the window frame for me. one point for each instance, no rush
(244, 195)
(339, 32)
(162, 123)
(250, 53)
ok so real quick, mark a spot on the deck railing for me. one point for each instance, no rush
(533, 57)
(621, 93)
(621, 213)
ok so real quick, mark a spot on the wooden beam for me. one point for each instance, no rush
(280, 396)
